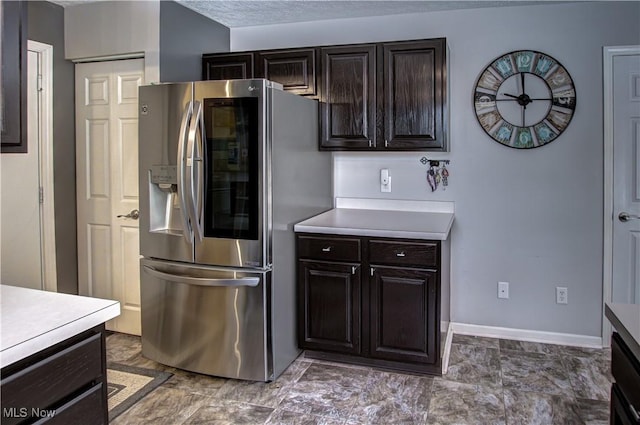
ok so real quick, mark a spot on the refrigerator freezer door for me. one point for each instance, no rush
(206, 320)
(165, 230)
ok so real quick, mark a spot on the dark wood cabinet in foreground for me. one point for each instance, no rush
(372, 301)
(625, 391)
(64, 384)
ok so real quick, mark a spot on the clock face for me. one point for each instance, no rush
(524, 99)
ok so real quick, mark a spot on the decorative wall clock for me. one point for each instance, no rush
(524, 99)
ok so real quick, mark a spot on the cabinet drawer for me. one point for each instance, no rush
(419, 254)
(335, 249)
(625, 369)
(54, 377)
(87, 408)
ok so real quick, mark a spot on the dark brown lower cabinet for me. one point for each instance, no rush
(625, 392)
(373, 301)
(403, 314)
(64, 384)
(331, 306)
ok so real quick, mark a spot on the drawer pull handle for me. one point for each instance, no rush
(327, 249)
(400, 254)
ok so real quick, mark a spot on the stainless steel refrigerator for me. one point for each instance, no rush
(226, 169)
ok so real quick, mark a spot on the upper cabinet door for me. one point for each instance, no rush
(348, 97)
(13, 108)
(232, 66)
(295, 69)
(414, 95)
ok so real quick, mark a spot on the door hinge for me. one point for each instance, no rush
(41, 194)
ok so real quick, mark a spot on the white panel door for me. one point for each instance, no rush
(107, 185)
(626, 179)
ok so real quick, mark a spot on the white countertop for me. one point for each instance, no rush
(625, 318)
(32, 320)
(383, 218)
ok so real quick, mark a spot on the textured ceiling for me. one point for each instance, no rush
(243, 13)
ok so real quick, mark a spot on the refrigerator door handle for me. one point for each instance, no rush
(182, 146)
(194, 171)
(202, 281)
(200, 176)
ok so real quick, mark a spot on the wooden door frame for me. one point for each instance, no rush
(45, 146)
(609, 53)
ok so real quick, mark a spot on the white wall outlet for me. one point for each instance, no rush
(562, 295)
(385, 180)
(503, 289)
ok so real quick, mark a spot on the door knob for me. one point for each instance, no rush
(134, 214)
(625, 216)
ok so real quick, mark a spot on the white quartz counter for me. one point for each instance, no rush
(383, 218)
(32, 320)
(625, 318)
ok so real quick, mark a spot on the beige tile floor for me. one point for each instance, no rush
(489, 381)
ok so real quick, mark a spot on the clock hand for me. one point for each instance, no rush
(518, 97)
(522, 81)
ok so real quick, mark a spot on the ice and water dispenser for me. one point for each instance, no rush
(165, 215)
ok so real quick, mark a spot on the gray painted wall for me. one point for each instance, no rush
(529, 217)
(184, 36)
(46, 25)
(109, 28)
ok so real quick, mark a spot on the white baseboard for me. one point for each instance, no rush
(527, 335)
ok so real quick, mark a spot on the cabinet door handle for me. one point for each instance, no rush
(372, 271)
(327, 249)
(400, 254)
(353, 269)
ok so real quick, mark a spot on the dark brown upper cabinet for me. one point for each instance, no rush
(228, 66)
(295, 69)
(387, 96)
(348, 97)
(373, 97)
(414, 95)
(13, 122)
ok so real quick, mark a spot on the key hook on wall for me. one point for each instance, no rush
(433, 162)
(436, 173)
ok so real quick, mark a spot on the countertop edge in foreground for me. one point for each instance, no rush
(56, 323)
(625, 318)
